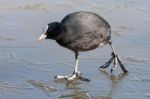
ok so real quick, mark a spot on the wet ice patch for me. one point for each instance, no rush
(6, 38)
(77, 95)
(7, 88)
(43, 86)
(33, 6)
(147, 94)
(135, 59)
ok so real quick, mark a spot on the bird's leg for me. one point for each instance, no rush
(117, 59)
(121, 65)
(76, 73)
(76, 63)
(115, 64)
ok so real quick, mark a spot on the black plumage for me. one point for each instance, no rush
(82, 31)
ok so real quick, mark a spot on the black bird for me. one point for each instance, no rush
(82, 31)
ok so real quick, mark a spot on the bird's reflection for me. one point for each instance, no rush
(115, 81)
(75, 92)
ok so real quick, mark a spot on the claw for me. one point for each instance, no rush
(108, 62)
(112, 70)
(58, 77)
(115, 64)
(84, 79)
(72, 77)
(105, 65)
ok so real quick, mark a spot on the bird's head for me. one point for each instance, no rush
(53, 31)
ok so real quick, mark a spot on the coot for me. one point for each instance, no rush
(82, 31)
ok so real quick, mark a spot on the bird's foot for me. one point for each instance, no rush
(117, 60)
(107, 63)
(72, 77)
(104, 66)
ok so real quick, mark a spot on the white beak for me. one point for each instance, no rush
(42, 37)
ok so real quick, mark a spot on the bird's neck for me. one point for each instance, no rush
(61, 34)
